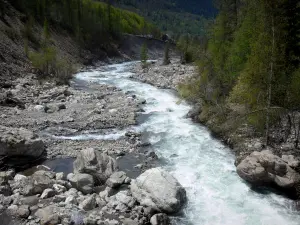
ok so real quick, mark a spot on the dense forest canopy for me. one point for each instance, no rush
(252, 58)
(173, 16)
(93, 22)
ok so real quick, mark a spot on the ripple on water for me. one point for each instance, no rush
(203, 165)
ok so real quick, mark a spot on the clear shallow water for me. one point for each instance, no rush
(203, 165)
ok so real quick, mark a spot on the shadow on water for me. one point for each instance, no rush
(56, 165)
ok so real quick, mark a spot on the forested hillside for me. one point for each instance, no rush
(91, 21)
(173, 16)
(250, 66)
(53, 36)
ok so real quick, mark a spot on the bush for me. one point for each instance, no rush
(51, 67)
(144, 56)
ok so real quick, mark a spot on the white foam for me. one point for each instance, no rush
(204, 166)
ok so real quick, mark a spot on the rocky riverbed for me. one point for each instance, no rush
(164, 76)
(90, 123)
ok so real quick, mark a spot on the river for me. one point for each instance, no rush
(202, 164)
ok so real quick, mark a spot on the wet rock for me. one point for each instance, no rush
(116, 179)
(100, 166)
(262, 168)
(160, 219)
(82, 182)
(89, 203)
(19, 142)
(158, 189)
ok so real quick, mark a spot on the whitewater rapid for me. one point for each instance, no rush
(203, 165)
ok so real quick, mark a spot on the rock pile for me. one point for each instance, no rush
(95, 194)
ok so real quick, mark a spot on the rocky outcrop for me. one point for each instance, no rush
(20, 142)
(265, 168)
(158, 189)
(99, 165)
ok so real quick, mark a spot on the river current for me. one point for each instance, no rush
(202, 164)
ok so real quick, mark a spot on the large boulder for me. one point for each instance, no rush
(99, 165)
(35, 184)
(82, 182)
(265, 168)
(158, 189)
(19, 142)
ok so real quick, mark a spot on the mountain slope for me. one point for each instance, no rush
(173, 16)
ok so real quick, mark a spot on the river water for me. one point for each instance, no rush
(203, 165)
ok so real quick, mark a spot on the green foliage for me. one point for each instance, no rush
(252, 59)
(189, 48)
(173, 17)
(94, 23)
(144, 55)
(51, 66)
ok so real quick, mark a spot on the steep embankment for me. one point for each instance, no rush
(24, 35)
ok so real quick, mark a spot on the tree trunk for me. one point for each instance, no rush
(271, 74)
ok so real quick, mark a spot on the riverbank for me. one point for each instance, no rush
(65, 120)
(228, 125)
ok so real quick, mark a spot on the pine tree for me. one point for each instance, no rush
(144, 55)
(167, 54)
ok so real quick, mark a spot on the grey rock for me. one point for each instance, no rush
(12, 210)
(48, 215)
(116, 179)
(158, 189)
(20, 142)
(59, 198)
(160, 219)
(291, 160)
(71, 200)
(262, 168)
(36, 183)
(89, 203)
(60, 176)
(23, 211)
(100, 166)
(48, 193)
(31, 200)
(82, 182)
(59, 188)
